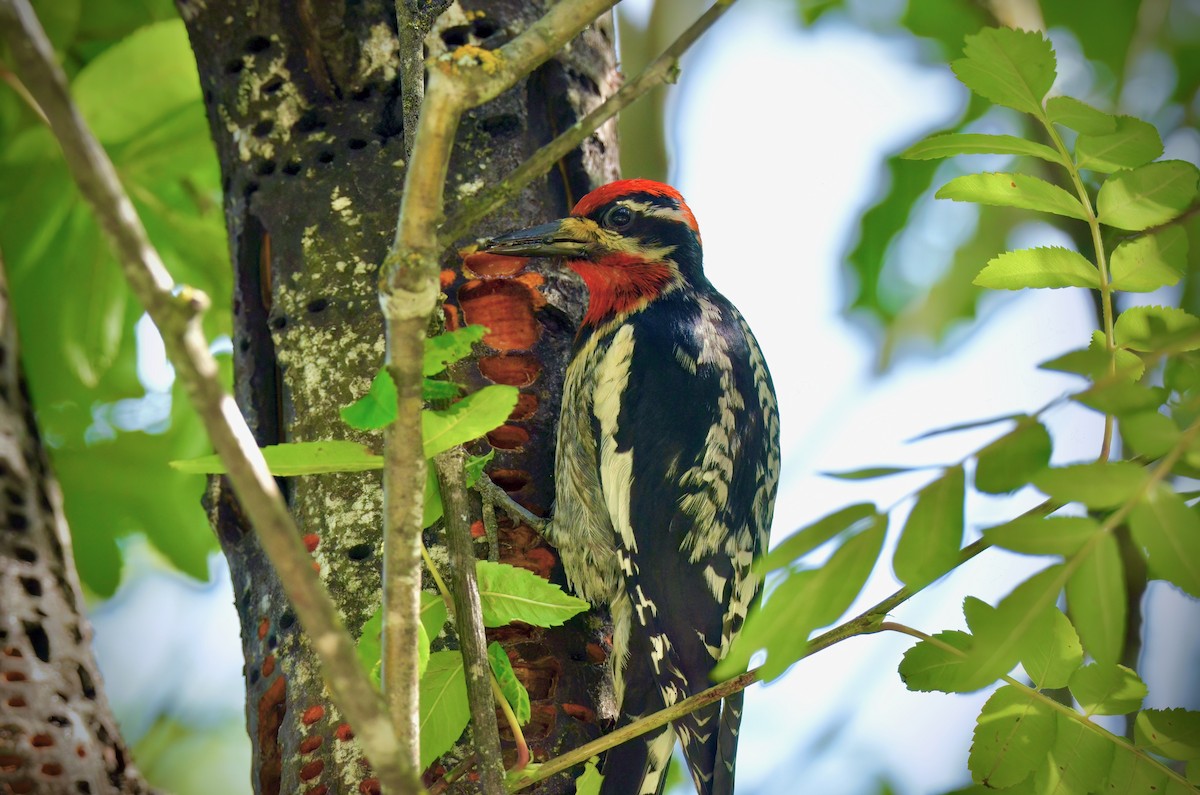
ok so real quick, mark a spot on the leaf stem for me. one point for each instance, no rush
(1106, 300)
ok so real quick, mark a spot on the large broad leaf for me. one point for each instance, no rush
(1079, 116)
(1133, 143)
(1039, 267)
(1013, 190)
(951, 144)
(153, 62)
(1013, 68)
(1011, 737)
(1147, 196)
(444, 710)
(811, 536)
(803, 602)
(1107, 689)
(1043, 535)
(1051, 652)
(929, 545)
(1008, 463)
(1096, 485)
(1096, 600)
(377, 408)
(1168, 531)
(509, 594)
(514, 692)
(1149, 433)
(1097, 363)
(1149, 262)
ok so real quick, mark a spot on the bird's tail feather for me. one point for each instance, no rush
(727, 741)
(639, 767)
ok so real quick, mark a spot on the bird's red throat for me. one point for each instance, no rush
(619, 283)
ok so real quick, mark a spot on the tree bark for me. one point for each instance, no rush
(58, 733)
(307, 111)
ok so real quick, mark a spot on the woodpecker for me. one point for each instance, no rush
(665, 471)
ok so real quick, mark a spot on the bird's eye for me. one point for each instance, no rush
(618, 218)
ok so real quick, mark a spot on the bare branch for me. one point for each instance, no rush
(176, 314)
(663, 69)
(468, 616)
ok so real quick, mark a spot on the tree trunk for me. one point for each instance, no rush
(305, 105)
(58, 733)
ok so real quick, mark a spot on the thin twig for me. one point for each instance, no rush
(468, 618)
(662, 70)
(177, 316)
(498, 497)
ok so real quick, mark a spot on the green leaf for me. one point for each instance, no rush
(1148, 328)
(1168, 532)
(432, 508)
(472, 417)
(1107, 689)
(1039, 267)
(999, 631)
(1096, 363)
(811, 536)
(445, 349)
(1014, 68)
(297, 458)
(444, 711)
(952, 144)
(1148, 262)
(154, 62)
(1043, 535)
(1096, 485)
(1135, 773)
(1149, 433)
(1013, 190)
(591, 779)
(509, 594)
(1096, 600)
(1134, 143)
(1051, 651)
(377, 408)
(967, 426)
(927, 666)
(1079, 116)
(1173, 733)
(93, 311)
(1008, 463)
(433, 613)
(1122, 398)
(370, 645)
(439, 390)
(1079, 758)
(1012, 734)
(514, 692)
(801, 603)
(870, 473)
(1147, 196)
(932, 535)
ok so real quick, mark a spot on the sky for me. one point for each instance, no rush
(777, 138)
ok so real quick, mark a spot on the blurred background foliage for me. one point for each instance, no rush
(107, 406)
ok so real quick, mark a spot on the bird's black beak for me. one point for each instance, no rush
(563, 238)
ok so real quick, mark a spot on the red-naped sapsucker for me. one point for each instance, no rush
(666, 467)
